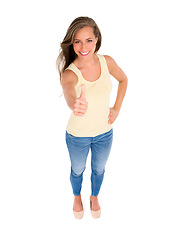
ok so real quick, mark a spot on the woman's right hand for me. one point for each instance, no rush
(81, 105)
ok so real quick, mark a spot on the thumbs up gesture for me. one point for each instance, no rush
(81, 105)
(82, 95)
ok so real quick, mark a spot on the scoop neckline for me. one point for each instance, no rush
(94, 80)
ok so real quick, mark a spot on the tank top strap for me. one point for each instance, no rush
(73, 68)
(104, 66)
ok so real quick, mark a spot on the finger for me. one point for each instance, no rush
(80, 111)
(110, 114)
(81, 101)
(82, 95)
(80, 107)
(110, 121)
(78, 114)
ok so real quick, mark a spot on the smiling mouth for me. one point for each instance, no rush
(84, 54)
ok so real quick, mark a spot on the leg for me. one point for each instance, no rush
(78, 151)
(100, 150)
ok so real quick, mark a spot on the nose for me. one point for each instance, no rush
(83, 47)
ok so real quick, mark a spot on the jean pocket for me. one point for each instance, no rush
(71, 138)
(108, 136)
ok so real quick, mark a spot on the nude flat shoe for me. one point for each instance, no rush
(78, 215)
(95, 214)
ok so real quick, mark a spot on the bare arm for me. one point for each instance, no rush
(118, 74)
(77, 105)
(68, 82)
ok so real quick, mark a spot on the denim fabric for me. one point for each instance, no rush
(78, 148)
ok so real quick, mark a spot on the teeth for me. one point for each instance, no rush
(84, 53)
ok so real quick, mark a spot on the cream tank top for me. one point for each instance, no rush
(95, 120)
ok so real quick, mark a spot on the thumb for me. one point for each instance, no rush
(82, 95)
(110, 113)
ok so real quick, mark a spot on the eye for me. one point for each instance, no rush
(77, 41)
(90, 40)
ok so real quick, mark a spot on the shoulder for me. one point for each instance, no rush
(68, 77)
(108, 58)
(112, 65)
(114, 69)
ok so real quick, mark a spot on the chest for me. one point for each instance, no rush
(92, 73)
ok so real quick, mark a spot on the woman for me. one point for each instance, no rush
(85, 79)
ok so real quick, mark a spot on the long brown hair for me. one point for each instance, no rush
(67, 54)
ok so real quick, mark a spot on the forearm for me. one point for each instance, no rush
(68, 82)
(69, 94)
(120, 94)
(70, 99)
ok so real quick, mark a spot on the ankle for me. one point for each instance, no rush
(77, 205)
(93, 197)
(77, 198)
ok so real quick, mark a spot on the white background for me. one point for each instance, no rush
(35, 192)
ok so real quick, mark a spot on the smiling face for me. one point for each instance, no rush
(84, 42)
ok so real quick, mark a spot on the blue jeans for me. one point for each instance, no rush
(78, 148)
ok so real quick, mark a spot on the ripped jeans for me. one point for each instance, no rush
(78, 148)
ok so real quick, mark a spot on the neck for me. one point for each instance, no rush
(82, 62)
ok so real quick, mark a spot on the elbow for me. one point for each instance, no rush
(124, 81)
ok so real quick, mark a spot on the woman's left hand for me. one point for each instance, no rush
(113, 114)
